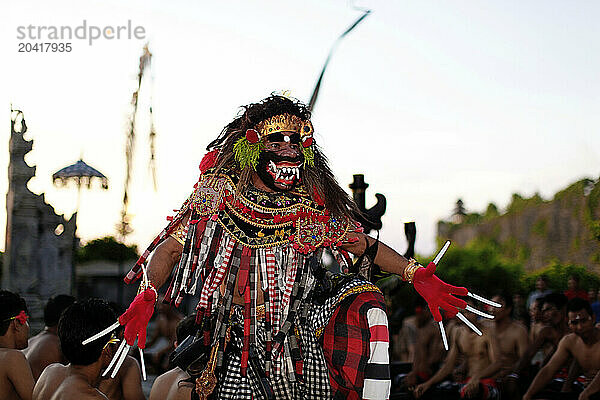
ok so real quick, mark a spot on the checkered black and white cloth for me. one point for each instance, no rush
(233, 385)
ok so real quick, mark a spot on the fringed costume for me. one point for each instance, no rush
(273, 322)
(271, 242)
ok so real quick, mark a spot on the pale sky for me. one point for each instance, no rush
(431, 101)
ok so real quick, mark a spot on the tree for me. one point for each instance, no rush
(459, 212)
(106, 248)
(491, 211)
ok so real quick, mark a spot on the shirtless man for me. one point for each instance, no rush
(429, 351)
(554, 310)
(480, 352)
(44, 348)
(127, 384)
(79, 379)
(583, 345)
(160, 345)
(536, 320)
(510, 336)
(171, 385)
(16, 380)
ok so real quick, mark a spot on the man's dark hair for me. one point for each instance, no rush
(186, 327)
(544, 278)
(119, 310)
(55, 307)
(507, 298)
(11, 304)
(558, 300)
(574, 277)
(80, 321)
(577, 304)
(318, 180)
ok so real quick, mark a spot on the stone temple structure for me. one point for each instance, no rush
(38, 258)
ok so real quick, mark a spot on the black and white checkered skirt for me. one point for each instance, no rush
(232, 385)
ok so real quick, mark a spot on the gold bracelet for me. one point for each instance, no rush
(410, 269)
(144, 286)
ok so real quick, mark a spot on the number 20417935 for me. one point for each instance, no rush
(44, 47)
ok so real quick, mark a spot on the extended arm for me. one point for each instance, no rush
(543, 377)
(446, 369)
(163, 260)
(592, 388)
(530, 351)
(387, 258)
(437, 293)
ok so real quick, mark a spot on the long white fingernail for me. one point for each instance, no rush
(120, 362)
(469, 324)
(101, 333)
(143, 364)
(443, 332)
(115, 357)
(480, 313)
(484, 300)
(439, 255)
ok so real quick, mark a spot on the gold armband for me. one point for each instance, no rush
(410, 269)
(179, 234)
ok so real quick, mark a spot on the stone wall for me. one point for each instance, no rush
(566, 229)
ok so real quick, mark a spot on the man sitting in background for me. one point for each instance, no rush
(127, 384)
(44, 348)
(479, 353)
(173, 384)
(16, 381)
(429, 350)
(541, 290)
(583, 345)
(573, 289)
(554, 310)
(80, 378)
(510, 336)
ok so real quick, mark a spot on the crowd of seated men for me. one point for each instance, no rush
(555, 355)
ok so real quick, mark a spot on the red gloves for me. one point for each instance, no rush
(137, 316)
(438, 293)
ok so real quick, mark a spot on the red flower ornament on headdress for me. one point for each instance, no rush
(208, 161)
(252, 136)
(21, 317)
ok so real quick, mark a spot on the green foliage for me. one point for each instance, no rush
(519, 203)
(491, 211)
(480, 267)
(106, 248)
(513, 249)
(472, 218)
(594, 196)
(576, 189)
(309, 156)
(247, 153)
(540, 227)
(558, 275)
(592, 218)
(595, 229)
(459, 209)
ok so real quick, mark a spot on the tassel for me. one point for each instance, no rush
(244, 269)
(247, 319)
